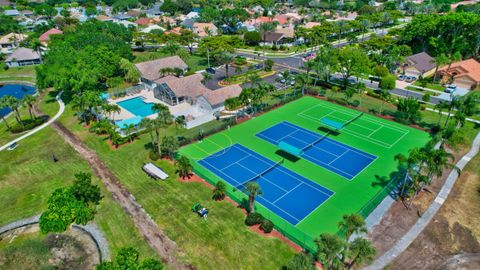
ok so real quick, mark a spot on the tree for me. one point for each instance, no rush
(330, 247)
(180, 121)
(3, 104)
(148, 125)
(183, 166)
(226, 59)
(388, 82)
(325, 63)
(253, 189)
(169, 146)
(188, 38)
(163, 119)
(440, 107)
(29, 100)
(351, 224)
(131, 72)
(301, 261)
(268, 64)
(352, 61)
(13, 103)
(252, 38)
(409, 109)
(128, 258)
(219, 191)
(361, 251)
(171, 47)
(72, 204)
(438, 60)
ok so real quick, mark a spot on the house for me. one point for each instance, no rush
(287, 31)
(127, 24)
(11, 13)
(4, 3)
(23, 57)
(465, 74)
(273, 38)
(192, 15)
(175, 31)
(214, 100)
(188, 23)
(420, 64)
(205, 29)
(173, 90)
(154, 10)
(310, 25)
(26, 13)
(150, 70)
(143, 21)
(104, 18)
(150, 28)
(9, 42)
(45, 37)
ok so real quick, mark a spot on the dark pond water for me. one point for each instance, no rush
(15, 90)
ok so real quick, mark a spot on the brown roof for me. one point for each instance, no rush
(23, 54)
(12, 37)
(103, 18)
(467, 68)
(46, 36)
(215, 97)
(199, 29)
(143, 21)
(421, 61)
(272, 36)
(190, 86)
(150, 70)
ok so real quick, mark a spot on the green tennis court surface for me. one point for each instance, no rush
(375, 136)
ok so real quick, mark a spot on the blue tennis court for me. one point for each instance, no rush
(286, 193)
(321, 150)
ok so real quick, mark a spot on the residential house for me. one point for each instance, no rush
(465, 74)
(26, 13)
(175, 31)
(420, 64)
(188, 23)
(150, 70)
(45, 37)
(23, 57)
(151, 28)
(310, 25)
(11, 41)
(154, 10)
(273, 38)
(212, 101)
(134, 13)
(288, 31)
(4, 3)
(104, 18)
(12, 12)
(205, 29)
(143, 21)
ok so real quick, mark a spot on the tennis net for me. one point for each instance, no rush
(315, 142)
(353, 119)
(242, 185)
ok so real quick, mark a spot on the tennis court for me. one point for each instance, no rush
(319, 149)
(284, 192)
(366, 127)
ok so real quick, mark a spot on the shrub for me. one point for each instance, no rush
(283, 47)
(153, 155)
(252, 38)
(355, 103)
(266, 226)
(28, 124)
(253, 219)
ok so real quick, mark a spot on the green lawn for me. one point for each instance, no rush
(28, 176)
(26, 73)
(195, 62)
(222, 242)
(434, 86)
(27, 251)
(385, 141)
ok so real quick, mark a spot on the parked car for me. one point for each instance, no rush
(210, 70)
(401, 77)
(410, 78)
(450, 88)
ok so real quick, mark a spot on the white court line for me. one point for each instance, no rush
(287, 193)
(339, 157)
(326, 166)
(237, 162)
(375, 131)
(263, 177)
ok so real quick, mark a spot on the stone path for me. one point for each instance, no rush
(37, 129)
(90, 229)
(403, 243)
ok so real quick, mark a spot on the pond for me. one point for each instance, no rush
(16, 90)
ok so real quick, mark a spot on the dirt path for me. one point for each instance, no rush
(158, 241)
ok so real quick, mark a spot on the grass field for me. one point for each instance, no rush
(372, 135)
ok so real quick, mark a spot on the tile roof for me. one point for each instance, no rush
(103, 18)
(215, 97)
(22, 54)
(272, 36)
(190, 86)
(150, 69)
(10, 38)
(467, 68)
(46, 36)
(143, 21)
(199, 29)
(310, 25)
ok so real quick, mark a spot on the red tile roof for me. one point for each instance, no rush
(143, 21)
(46, 36)
(469, 68)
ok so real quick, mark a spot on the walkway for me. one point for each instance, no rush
(37, 129)
(402, 244)
(153, 235)
(90, 229)
(446, 113)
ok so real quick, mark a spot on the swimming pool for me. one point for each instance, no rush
(16, 90)
(137, 106)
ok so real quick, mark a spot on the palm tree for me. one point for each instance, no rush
(13, 103)
(253, 189)
(219, 191)
(341, 26)
(439, 107)
(254, 79)
(3, 104)
(302, 80)
(37, 46)
(206, 77)
(180, 121)
(330, 247)
(366, 24)
(287, 79)
(114, 108)
(129, 131)
(169, 146)
(264, 28)
(29, 100)
(361, 251)
(439, 60)
(148, 125)
(351, 224)
(226, 58)
(184, 168)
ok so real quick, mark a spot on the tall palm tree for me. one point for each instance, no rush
(148, 125)
(183, 166)
(29, 100)
(439, 60)
(3, 104)
(366, 24)
(129, 131)
(361, 251)
(264, 28)
(114, 109)
(287, 79)
(169, 146)
(253, 189)
(226, 59)
(440, 107)
(351, 224)
(14, 103)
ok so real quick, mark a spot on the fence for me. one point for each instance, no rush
(388, 190)
(126, 91)
(288, 230)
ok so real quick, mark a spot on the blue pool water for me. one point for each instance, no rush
(15, 90)
(137, 106)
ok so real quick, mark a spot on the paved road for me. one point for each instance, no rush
(37, 129)
(402, 244)
(407, 93)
